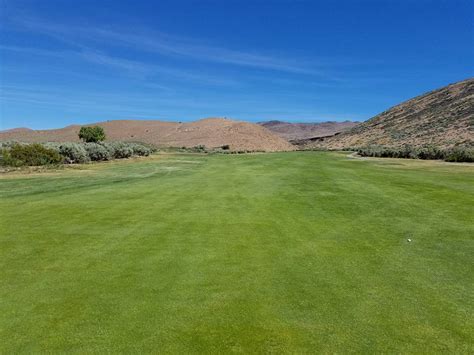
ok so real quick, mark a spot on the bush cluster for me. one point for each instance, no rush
(74, 153)
(460, 154)
(30, 155)
(196, 149)
(141, 149)
(455, 154)
(8, 144)
(97, 152)
(19, 154)
(120, 150)
(223, 149)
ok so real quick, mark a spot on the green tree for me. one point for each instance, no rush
(92, 134)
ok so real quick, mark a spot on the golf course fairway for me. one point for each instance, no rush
(283, 252)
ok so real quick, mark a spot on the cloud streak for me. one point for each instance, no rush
(135, 68)
(166, 45)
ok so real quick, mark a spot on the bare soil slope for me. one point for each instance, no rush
(295, 131)
(443, 117)
(211, 132)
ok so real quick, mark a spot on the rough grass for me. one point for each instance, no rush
(286, 252)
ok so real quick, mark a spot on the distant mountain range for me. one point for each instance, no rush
(295, 131)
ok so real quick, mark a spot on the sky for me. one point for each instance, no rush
(72, 62)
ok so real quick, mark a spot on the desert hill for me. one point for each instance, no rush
(443, 117)
(211, 132)
(295, 131)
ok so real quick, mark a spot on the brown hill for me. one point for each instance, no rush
(443, 117)
(295, 131)
(18, 130)
(211, 132)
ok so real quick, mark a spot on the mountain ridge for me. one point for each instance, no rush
(304, 130)
(443, 117)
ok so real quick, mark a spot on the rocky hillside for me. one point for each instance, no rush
(296, 131)
(444, 118)
(211, 132)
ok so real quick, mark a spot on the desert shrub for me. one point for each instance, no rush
(53, 145)
(406, 152)
(92, 134)
(225, 147)
(371, 151)
(109, 147)
(6, 159)
(460, 154)
(97, 152)
(121, 149)
(456, 154)
(30, 155)
(69, 152)
(73, 153)
(431, 152)
(8, 144)
(140, 149)
(200, 148)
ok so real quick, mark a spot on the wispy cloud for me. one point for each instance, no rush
(179, 46)
(104, 102)
(167, 45)
(135, 68)
(120, 63)
(36, 51)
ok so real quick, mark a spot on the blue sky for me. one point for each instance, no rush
(65, 62)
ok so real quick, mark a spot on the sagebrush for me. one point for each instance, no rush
(455, 154)
(19, 154)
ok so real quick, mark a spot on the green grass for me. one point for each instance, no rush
(286, 252)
